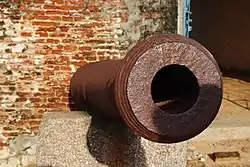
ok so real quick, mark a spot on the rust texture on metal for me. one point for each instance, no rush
(167, 89)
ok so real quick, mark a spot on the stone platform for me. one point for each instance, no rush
(74, 139)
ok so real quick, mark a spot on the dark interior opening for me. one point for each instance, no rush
(174, 89)
(223, 28)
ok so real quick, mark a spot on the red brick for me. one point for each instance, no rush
(58, 61)
(69, 19)
(26, 34)
(48, 72)
(63, 58)
(8, 128)
(25, 78)
(56, 18)
(97, 25)
(41, 17)
(53, 99)
(20, 129)
(40, 41)
(84, 55)
(100, 53)
(90, 35)
(93, 9)
(79, 7)
(34, 123)
(42, 34)
(58, 1)
(56, 12)
(119, 3)
(22, 6)
(65, 7)
(79, 19)
(28, 17)
(104, 31)
(70, 48)
(35, 99)
(64, 29)
(52, 40)
(90, 58)
(68, 40)
(38, 12)
(65, 68)
(111, 53)
(21, 99)
(86, 26)
(39, 23)
(96, 41)
(55, 105)
(110, 3)
(49, 29)
(85, 48)
(39, 1)
(35, 129)
(9, 134)
(25, 133)
(56, 51)
(153, 15)
(41, 111)
(98, 18)
(23, 121)
(37, 116)
(91, 4)
(57, 35)
(104, 58)
(54, 67)
(43, 51)
(62, 94)
(3, 144)
(75, 2)
(50, 6)
(105, 47)
(86, 13)
(59, 46)
(22, 94)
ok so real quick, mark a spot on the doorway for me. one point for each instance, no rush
(223, 27)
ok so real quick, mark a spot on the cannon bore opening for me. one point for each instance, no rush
(174, 89)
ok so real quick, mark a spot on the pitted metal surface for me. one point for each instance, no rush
(139, 89)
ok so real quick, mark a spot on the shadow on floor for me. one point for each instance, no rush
(110, 142)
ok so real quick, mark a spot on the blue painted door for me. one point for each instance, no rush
(187, 17)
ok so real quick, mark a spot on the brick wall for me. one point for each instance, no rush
(43, 42)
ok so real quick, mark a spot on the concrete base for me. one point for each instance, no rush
(75, 139)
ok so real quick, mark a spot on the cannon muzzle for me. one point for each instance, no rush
(167, 89)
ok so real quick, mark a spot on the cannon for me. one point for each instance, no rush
(167, 89)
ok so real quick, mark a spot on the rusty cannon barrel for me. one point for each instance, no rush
(167, 89)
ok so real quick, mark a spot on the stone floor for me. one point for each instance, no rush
(236, 96)
(231, 130)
